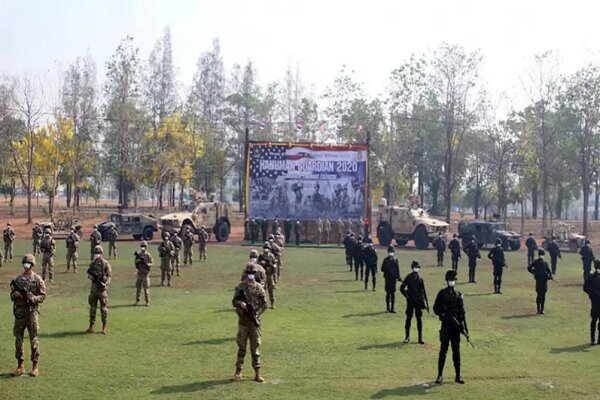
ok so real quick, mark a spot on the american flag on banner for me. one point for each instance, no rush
(265, 156)
(338, 126)
(261, 125)
(322, 127)
(299, 125)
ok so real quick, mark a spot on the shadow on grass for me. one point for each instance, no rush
(191, 387)
(392, 345)
(210, 341)
(571, 349)
(62, 335)
(402, 391)
(6, 375)
(340, 280)
(372, 314)
(224, 310)
(123, 305)
(518, 316)
(350, 291)
(477, 294)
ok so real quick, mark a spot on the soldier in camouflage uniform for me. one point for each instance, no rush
(36, 237)
(1, 258)
(72, 242)
(319, 231)
(340, 229)
(188, 243)
(249, 302)
(95, 239)
(326, 229)
(176, 260)
(254, 268)
(99, 273)
(27, 292)
(202, 239)
(48, 247)
(9, 238)
(112, 237)
(166, 251)
(143, 264)
(277, 252)
(269, 262)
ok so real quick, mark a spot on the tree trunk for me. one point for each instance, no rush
(522, 216)
(435, 189)
(559, 202)
(13, 192)
(596, 199)
(477, 200)
(181, 187)
(68, 190)
(534, 201)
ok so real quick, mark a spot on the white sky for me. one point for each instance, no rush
(372, 37)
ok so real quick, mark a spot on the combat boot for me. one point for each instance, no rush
(90, 329)
(257, 376)
(273, 305)
(20, 369)
(238, 374)
(34, 370)
(105, 328)
(439, 380)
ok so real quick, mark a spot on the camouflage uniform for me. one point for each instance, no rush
(72, 243)
(48, 247)
(340, 229)
(9, 238)
(326, 229)
(176, 260)
(277, 252)
(100, 268)
(26, 313)
(257, 270)
(166, 250)
(1, 258)
(202, 239)
(188, 244)
(95, 239)
(143, 264)
(253, 295)
(268, 261)
(112, 237)
(319, 231)
(36, 237)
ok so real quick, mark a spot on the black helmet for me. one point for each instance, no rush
(391, 249)
(541, 252)
(415, 264)
(451, 275)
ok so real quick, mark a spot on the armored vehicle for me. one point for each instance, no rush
(138, 225)
(407, 223)
(565, 237)
(487, 232)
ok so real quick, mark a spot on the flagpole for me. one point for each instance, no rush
(245, 191)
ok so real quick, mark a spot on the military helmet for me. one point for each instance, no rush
(8, 223)
(359, 237)
(166, 235)
(541, 252)
(415, 264)
(98, 250)
(253, 253)
(144, 244)
(451, 275)
(271, 237)
(95, 226)
(267, 245)
(530, 233)
(498, 242)
(454, 236)
(597, 264)
(391, 249)
(587, 241)
(250, 266)
(175, 234)
(47, 230)
(369, 241)
(72, 229)
(29, 258)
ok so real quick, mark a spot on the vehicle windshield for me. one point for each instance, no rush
(500, 227)
(418, 212)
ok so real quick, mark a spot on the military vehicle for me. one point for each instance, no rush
(487, 232)
(63, 225)
(407, 223)
(201, 212)
(138, 225)
(565, 238)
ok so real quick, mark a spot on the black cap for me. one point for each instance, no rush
(498, 241)
(454, 236)
(451, 275)
(391, 249)
(541, 252)
(415, 264)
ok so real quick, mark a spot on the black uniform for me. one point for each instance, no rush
(264, 227)
(472, 251)
(531, 248)
(498, 263)
(440, 246)
(554, 252)
(592, 288)
(454, 247)
(349, 243)
(253, 230)
(370, 258)
(450, 308)
(297, 232)
(413, 288)
(287, 228)
(358, 257)
(541, 272)
(587, 256)
(391, 274)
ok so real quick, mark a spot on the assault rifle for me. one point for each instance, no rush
(249, 310)
(96, 278)
(25, 294)
(462, 327)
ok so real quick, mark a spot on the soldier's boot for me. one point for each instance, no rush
(20, 369)
(392, 302)
(420, 329)
(542, 307)
(273, 305)
(407, 332)
(458, 379)
(104, 328)
(90, 329)
(257, 376)
(387, 305)
(537, 304)
(34, 370)
(237, 375)
(441, 362)
(593, 338)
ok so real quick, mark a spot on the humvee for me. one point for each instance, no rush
(407, 223)
(487, 232)
(565, 238)
(138, 225)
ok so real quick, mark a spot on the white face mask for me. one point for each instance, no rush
(253, 260)
(542, 258)
(391, 254)
(416, 269)
(26, 266)
(97, 256)
(250, 277)
(451, 283)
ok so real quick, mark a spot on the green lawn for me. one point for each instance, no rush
(328, 339)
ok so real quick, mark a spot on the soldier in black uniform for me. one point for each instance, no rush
(297, 231)
(450, 308)
(554, 252)
(472, 252)
(498, 263)
(391, 274)
(587, 256)
(531, 248)
(541, 272)
(440, 245)
(370, 260)
(349, 243)
(358, 257)
(592, 288)
(413, 288)
(287, 228)
(264, 227)
(454, 247)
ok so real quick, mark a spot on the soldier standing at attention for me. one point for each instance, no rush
(276, 251)
(276, 225)
(297, 231)
(391, 274)
(269, 263)
(370, 259)
(36, 236)
(48, 247)
(95, 239)
(9, 238)
(349, 243)
(340, 229)
(143, 264)
(440, 246)
(454, 247)
(450, 308)
(202, 242)
(319, 231)
(72, 242)
(587, 257)
(188, 243)
(413, 289)
(531, 248)
(498, 263)
(541, 272)
(264, 226)
(326, 229)
(176, 260)
(554, 251)
(349, 226)
(112, 236)
(592, 288)
(472, 252)
(358, 257)
(253, 230)
(255, 268)
(249, 302)
(99, 273)
(360, 226)
(27, 292)
(287, 228)
(166, 251)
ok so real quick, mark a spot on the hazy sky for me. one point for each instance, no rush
(372, 37)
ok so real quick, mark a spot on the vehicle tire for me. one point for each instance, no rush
(384, 233)
(186, 225)
(420, 238)
(148, 233)
(222, 231)
(505, 245)
(573, 246)
(401, 242)
(545, 245)
(137, 237)
(515, 246)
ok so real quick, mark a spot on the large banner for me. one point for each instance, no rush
(306, 182)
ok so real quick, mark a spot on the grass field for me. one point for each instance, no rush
(328, 339)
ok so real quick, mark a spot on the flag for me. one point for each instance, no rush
(299, 125)
(338, 126)
(264, 161)
(322, 127)
(261, 125)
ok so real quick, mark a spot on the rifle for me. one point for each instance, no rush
(25, 295)
(99, 280)
(463, 327)
(250, 310)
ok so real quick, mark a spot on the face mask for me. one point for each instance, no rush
(97, 256)
(391, 254)
(416, 269)
(542, 258)
(253, 260)
(143, 249)
(26, 266)
(250, 277)
(451, 283)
